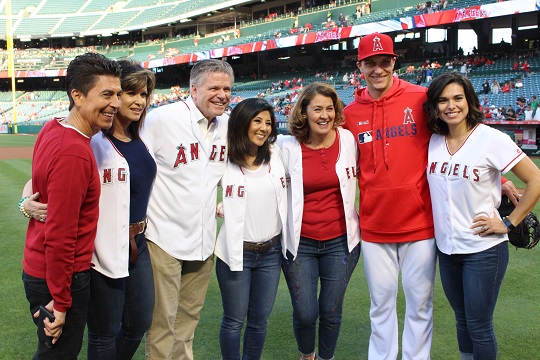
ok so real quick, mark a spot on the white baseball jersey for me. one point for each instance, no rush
(182, 206)
(467, 184)
(346, 170)
(111, 253)
(229, 245)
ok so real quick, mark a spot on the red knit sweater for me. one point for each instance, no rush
(64, 172)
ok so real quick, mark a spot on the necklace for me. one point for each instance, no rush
(123, 138)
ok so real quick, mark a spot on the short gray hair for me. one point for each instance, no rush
(203, 67)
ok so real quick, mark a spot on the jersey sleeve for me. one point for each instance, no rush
(152, 130)
(503, 153)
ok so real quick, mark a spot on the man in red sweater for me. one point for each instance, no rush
(396, 221)
(58, 249)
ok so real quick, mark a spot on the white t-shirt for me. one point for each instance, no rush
(467, 184)
(262, 216)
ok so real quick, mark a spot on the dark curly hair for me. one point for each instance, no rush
(431, 106)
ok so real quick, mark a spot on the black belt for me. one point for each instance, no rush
(262, 247)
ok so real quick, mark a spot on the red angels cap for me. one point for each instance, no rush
(375, 44)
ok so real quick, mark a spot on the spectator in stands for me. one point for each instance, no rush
(358, 13)
(534, 105)
(512, 84)
(518, 84)
(528, 113)
(487, 113)
(495, 112)
(429, 74)
(505, 88)
(464, 70)
(486, 87)
(495, 86)
(526, 68)
(516, 67)
(485, 102)
(520, 112)
(521, 100)
(58, 248)
(510, 113)
(423, 73)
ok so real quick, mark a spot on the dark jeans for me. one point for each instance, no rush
(248, 293)
(120, 310)
(330, 263)
(471, 283)
(69, 343)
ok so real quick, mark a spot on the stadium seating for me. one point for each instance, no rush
(52, 7)
(41, 106)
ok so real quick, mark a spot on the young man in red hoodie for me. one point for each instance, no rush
(396, 221)
(58, 249)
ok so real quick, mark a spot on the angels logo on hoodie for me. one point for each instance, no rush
(408, 117)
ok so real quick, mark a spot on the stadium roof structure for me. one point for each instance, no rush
(59, 18)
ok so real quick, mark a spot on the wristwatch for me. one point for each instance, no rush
(508, 224)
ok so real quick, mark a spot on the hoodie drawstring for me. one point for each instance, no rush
(385, 139)
(383, 130)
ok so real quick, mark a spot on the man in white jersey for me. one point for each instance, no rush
(190, 144)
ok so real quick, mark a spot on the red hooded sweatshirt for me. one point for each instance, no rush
(393, 138)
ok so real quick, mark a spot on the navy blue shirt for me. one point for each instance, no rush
(142, 171)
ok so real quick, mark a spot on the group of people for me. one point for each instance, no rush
(525, 109)
(288, 205)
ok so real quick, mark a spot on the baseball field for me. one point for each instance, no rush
(517, 316)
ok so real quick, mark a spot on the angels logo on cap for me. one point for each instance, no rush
(375, 44)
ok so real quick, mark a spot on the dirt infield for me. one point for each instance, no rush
(16, 152)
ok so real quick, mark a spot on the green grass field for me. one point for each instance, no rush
(517, 316)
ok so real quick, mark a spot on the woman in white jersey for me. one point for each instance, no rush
(465, 162)
(250, 242)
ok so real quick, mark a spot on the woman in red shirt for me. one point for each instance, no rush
(324, 238)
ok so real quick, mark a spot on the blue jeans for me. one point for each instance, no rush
(120, 310)
(332, 264)
(69, 343)
(471, 283)
(250, 292)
